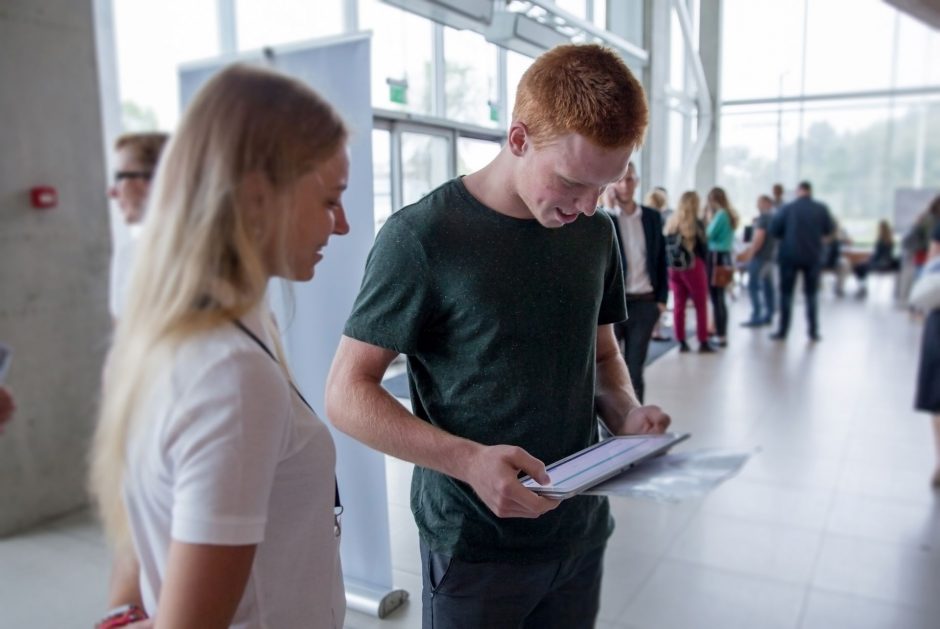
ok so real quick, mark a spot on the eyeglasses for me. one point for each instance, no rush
(132, 174)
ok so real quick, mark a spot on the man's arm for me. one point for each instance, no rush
(617, 403)
(357, 404)
(756, 243)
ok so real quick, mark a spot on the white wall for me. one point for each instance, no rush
(53, 263)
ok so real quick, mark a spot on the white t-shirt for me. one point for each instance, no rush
(121, 261)
(228, 454)
(636, 281)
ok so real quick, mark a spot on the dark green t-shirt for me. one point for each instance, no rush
(498, 317)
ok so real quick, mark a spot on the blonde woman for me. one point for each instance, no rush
(685, 254)
(214, 478)
(722, 221)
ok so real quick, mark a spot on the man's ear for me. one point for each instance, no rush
(518, 138)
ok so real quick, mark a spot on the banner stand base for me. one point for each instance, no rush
(373, 600)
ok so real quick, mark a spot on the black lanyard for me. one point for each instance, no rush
(337, 506)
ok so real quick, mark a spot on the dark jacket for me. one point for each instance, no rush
(655, 251)
(800, 227)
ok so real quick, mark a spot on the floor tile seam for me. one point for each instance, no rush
(894, 499)
(739, 573)
(754, 520)
(873, 599)
(773, 523)
(746, 573)
(918, 547)
(659, 557)
(817, 555)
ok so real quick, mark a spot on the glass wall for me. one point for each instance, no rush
(831, 114)
(402, 57)
(147, 66)
(263, 23)
(470, 81)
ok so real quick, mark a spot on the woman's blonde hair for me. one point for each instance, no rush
(201, 259)
(684, 220)
(718, 199)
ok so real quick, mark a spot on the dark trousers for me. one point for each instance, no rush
(788, 273)
(719, 306)
(459, 594)
(634, 336)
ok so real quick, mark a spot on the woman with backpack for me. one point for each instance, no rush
(685, 256)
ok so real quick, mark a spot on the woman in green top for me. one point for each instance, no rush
(722, 221)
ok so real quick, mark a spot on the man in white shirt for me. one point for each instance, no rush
(646, 282)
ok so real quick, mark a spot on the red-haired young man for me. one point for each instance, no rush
(501, 288)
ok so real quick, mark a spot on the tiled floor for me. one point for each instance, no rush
(831, 526)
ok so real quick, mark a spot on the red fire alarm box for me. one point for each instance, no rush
(43, 197)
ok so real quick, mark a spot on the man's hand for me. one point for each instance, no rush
(644, 420)
(493, 474)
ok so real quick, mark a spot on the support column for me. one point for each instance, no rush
(706, 172)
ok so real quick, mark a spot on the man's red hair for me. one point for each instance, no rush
(585, 89)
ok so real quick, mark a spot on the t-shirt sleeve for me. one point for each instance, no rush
(395, 299)
(223, 447)
(613, 305)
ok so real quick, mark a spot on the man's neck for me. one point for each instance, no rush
(493, 186)
(629, 207)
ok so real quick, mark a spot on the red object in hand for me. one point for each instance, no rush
(44, 197)
(121, 616)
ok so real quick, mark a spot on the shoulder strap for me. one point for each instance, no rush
(338, 506)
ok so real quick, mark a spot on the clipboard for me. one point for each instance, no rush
(582, 470)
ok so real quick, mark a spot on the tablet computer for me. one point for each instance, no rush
(582, 470)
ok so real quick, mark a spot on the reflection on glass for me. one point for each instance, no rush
(424, 164)
(401, 51)
(674, 154)
(470, 77)
(472, 155)
(676, 54)
(149, 82)
(381, 177)
(271, 22)
(516, 65)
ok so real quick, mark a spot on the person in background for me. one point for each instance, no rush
(665, 210)
(801, 226)
(881, 260)
(214, 478)
(658, 199)
(687, 266)
(777, 191)
(722, 221)
(646, 282)
(502, 288)
(7, 407)
(759, 257)
(137, 156)
(927, 397)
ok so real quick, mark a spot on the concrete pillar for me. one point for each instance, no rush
(706, 172)
(53, 263)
